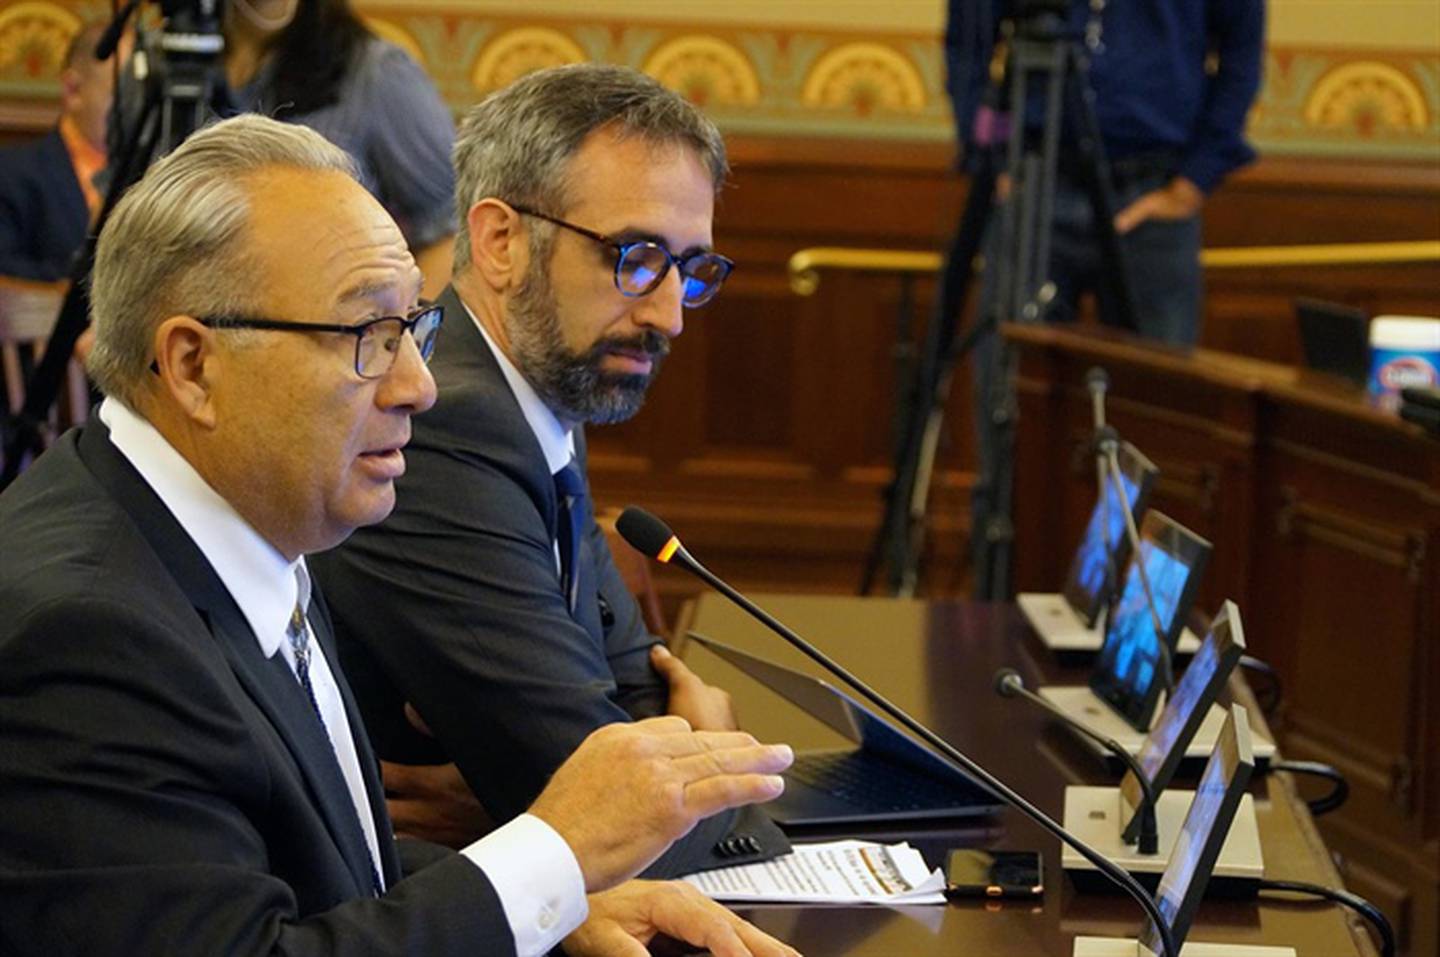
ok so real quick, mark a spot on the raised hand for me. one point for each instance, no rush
(630, 790)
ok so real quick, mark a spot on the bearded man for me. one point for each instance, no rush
(484, 623)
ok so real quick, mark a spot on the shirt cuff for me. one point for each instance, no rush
(537, 879)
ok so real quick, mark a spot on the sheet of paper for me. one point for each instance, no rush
(838, 872)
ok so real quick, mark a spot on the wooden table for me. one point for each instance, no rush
(937, 659)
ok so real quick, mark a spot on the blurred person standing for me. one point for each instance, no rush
(1173, 83)
(314, 62)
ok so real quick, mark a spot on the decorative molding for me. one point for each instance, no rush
(773, 80)
(513, 53)
(33, 38)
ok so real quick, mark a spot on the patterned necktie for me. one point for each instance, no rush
(299, 634)
(299, 637)
(569, 496)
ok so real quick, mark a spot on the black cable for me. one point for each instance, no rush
(1272, 692)
(1355, 902)
(1329, 802)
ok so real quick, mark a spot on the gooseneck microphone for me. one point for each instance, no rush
(1009, 684)
(1097, 381)
(649, 535)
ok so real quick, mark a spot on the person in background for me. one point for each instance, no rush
(1173, 85)
(314, 62)
(48, 196)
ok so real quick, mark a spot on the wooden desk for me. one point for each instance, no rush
(937, 660)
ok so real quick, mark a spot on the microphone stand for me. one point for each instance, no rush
(679, 555)
(1008, 684)
(1096, 380)
(1108, 444)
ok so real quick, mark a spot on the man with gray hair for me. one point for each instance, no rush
(185, 769)
(489, 598)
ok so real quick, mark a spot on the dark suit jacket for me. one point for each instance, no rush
(164, 788)
(42, 210)
(454, 604)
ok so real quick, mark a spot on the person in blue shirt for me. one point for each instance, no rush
(1173, 81)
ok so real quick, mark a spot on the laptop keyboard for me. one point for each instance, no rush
(874, 786)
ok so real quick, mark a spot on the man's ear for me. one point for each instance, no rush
(186, 364)
(499, 247)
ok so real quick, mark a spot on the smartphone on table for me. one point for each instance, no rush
(976, 872)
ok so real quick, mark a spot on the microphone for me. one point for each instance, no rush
(1097, 381)
(1009, 684)
(649, 535)
(1105, 439)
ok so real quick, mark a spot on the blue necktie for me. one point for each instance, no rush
(569, 498)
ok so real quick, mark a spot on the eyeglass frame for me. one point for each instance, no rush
(621, 249)
(407, 322)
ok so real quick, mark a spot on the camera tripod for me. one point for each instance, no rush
(1045, 64)
(180, 94)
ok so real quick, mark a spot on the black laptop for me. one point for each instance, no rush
(887, 778)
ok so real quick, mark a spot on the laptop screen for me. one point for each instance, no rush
(1105, 547)
(1192, 859)
(1128, 671)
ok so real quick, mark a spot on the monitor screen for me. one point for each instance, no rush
(1192, 859)
(1105, 547)
(1164, 747)
(1129, 669)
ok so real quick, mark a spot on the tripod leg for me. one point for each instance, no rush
(899, 523)
(942, 354)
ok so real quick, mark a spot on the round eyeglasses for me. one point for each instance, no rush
(377, 341)
(641, 266)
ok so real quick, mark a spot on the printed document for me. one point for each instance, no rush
(838, 872)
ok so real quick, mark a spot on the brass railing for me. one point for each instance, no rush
(806, 265)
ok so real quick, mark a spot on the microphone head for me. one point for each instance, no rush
(647, 534)
(1007, 682)
(1097, 379)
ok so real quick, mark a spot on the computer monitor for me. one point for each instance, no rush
(1105, 547)
(1164, 747)
(1128, 670)
(1192, 859)
(1335, 338)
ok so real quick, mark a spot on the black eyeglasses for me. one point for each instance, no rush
(641, 266)
(377, 341)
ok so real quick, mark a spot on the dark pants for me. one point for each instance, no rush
(1162, 258)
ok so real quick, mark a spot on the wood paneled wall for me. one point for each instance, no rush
(766, 442)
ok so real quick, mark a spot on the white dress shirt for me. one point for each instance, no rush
(556, 441)
(532, 869)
